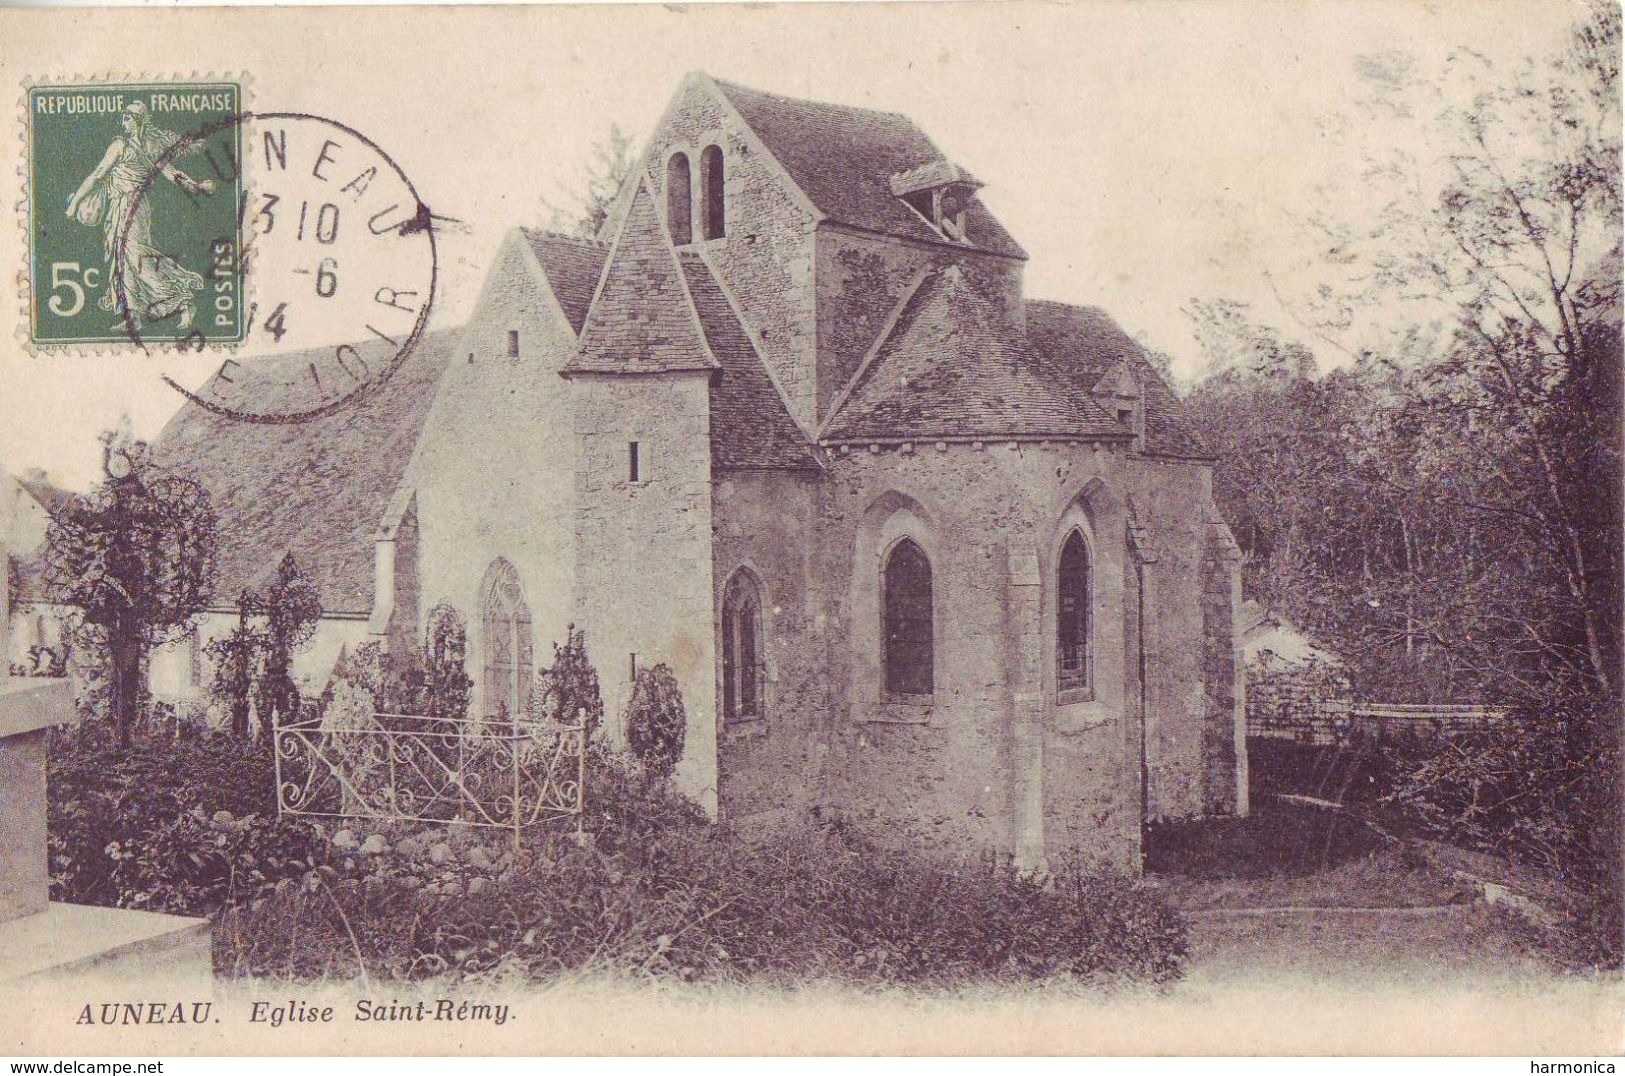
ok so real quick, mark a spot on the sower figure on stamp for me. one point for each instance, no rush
(153, 283)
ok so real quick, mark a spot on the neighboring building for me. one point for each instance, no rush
(922, 553)
(1265, 636)
(35, 640)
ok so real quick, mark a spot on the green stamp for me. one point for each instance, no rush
(135, 195)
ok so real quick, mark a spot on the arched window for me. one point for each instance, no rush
(906, 620)
(679, 199)
(1072, 615)
(713, 224)
(508, 661)
(743, 670)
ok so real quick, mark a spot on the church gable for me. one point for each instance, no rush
(951, 367)
(641, 320)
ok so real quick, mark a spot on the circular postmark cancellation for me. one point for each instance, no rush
(329, 272)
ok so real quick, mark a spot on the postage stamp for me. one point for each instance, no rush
(135, 196)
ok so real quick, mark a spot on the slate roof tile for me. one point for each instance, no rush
(952, 367)
(573, 265)
(750, 425)
(642, 321)
(843, 159)
(317, 488)
(1078, 345)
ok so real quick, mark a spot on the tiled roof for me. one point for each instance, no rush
(1078, 345)
(573, 265)
(750, 426)
(642, 321)
(317, 489)
(953, 367)
(843, 159)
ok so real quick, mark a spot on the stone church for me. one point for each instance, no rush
(923, 554)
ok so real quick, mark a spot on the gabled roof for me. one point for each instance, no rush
(573, 265)
(318, 488)
(953, 367)
(641, 321)
(844, 158)
(750, 426)
(1076, 346)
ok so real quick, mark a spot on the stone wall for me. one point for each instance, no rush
(495, 468)
(770, 769)
(1000, 761)
(861, 279)
(765, 259)
(644, 575)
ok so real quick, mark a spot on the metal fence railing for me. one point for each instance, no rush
(406, 767)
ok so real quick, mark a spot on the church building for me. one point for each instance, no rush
(923, 554)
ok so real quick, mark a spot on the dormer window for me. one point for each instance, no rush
(940, 192)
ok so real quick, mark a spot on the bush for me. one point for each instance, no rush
(655, 721)
(183, 826)
(568, 690)
(1542, 788)
(660, 893)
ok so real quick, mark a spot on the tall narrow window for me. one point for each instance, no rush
(906, 618)
(679, 200)
(508, 657)
(634, 462)
(513, 343)
(742, 666)
(713, 223)
(1072, 615)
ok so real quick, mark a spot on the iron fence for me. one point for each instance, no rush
(407, 767)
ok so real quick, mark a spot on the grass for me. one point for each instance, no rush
(1290, 855)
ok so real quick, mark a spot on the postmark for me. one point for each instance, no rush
(135, 196)
(339, 251)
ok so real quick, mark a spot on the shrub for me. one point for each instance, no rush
(182, 826)
(445, 655)
(661, 893)
(655, 720)
(568, 690)
(1542, 788)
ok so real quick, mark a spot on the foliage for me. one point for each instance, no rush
(600, 183)
(445, 659)
(1444, 510)
(568, 690)
(290, 609)
(178, 826)
(655, 719)
(135, 560)
(235, 658)
(658, 893)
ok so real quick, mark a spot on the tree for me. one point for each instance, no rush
(600, 183)
(1517, 250)
(135, 560)
(655, 720)
(290, 608)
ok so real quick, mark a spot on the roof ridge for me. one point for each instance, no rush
(548, 233)
(905, 117)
